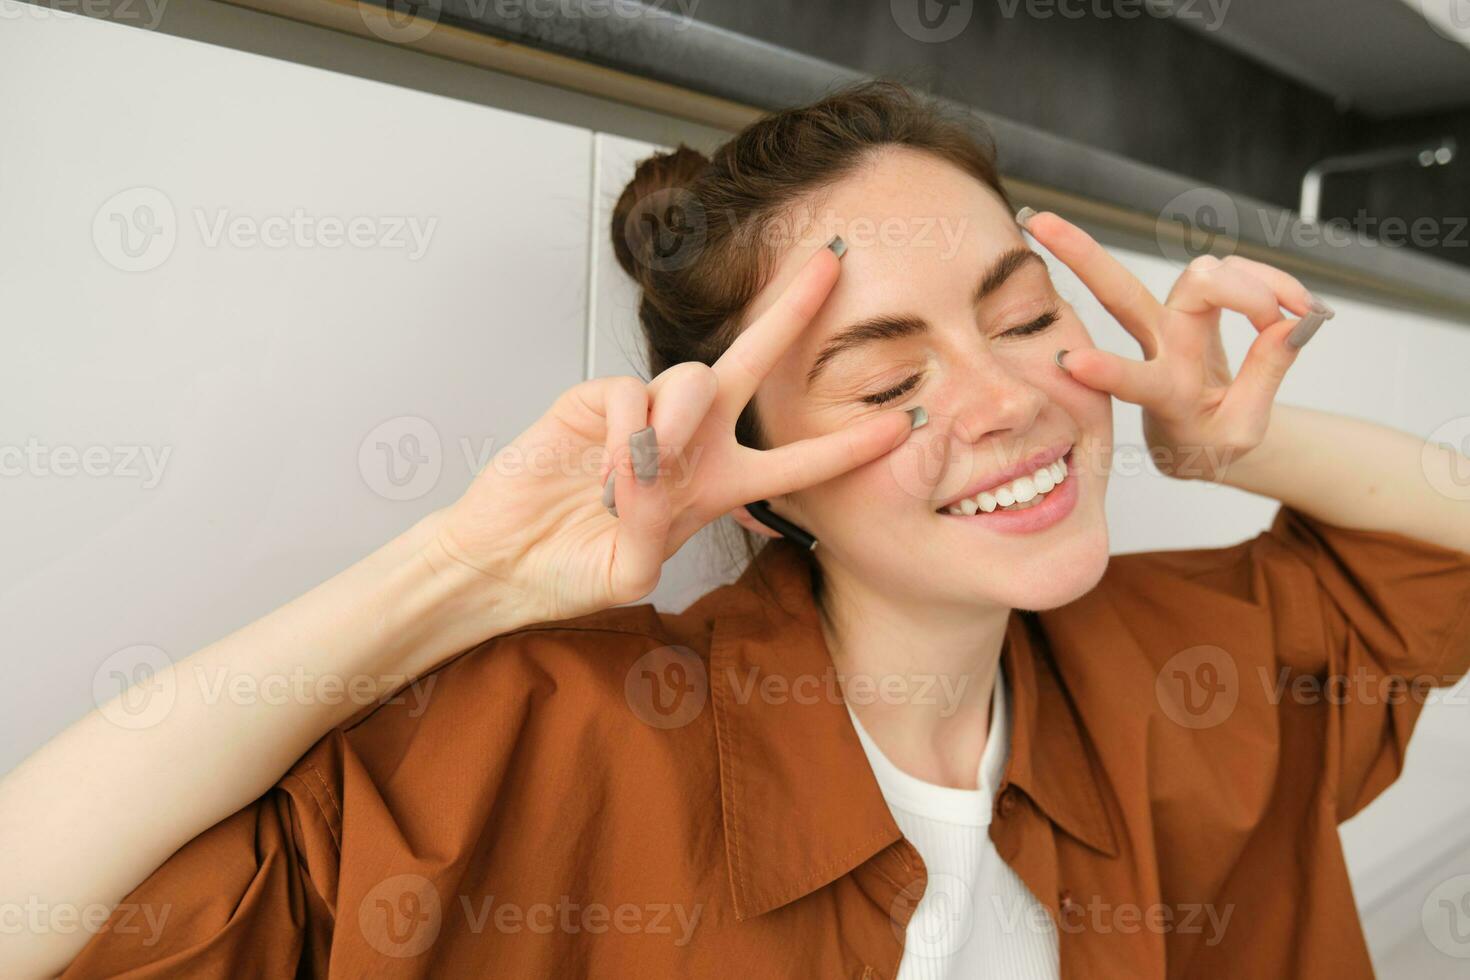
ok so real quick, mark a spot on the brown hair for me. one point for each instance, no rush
(691, 231)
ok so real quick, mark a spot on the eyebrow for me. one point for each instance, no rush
(893, 326)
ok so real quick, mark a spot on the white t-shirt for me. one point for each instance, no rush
(976, 919)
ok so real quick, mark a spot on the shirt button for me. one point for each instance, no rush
(1007, 804)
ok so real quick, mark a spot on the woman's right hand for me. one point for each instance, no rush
(532, 526)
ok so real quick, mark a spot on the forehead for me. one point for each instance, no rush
(911, 221)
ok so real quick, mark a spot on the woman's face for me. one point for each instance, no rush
(956, 314)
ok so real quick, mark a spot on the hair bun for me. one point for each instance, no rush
(658, 224)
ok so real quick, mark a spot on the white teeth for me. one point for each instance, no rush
(1020, 493)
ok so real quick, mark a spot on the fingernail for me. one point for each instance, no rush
(607, 494)
(838, 246)
(643, 444)
(917, 416)
(1302, 332)
(1058, 358)
(1024, 216)
(1320, 307)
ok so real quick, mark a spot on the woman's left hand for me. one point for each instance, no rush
(1196, 417)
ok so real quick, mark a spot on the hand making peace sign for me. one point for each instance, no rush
(1190, 401)
(533, 522)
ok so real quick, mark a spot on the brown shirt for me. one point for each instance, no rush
(642, 794)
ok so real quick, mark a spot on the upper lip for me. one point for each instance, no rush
(1026, 466)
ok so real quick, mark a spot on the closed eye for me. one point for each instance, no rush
(906, 385)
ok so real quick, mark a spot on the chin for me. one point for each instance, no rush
(1058, 580)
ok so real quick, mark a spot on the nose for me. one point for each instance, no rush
(989, 399)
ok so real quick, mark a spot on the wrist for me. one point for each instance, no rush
(439, 605)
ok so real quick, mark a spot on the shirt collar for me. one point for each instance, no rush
(800, 805)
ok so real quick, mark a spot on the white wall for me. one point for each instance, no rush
(265, 380)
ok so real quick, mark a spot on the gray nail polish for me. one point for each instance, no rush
(1024, 216)
(643, 444)
(1320, 307)
(1057, 358)
(608, 489)
(838, 246)
(1302, 332)
(918, 416)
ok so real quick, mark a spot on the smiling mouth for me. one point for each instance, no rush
(1019, 493)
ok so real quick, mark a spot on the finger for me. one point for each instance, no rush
(1265, 365)
(644, 513)
(1118, 290)
(1290, 293)
(807, 462)
(625, 405)
(1139, 382)
(1210, 284)
(760, 345)
(681, 397)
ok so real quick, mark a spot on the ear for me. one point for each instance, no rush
(743, 518)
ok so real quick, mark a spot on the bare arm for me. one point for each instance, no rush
(91, 815)
(1357, 474)
(99, 807)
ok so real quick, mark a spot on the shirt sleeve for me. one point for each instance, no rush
(1379, 619)
(250, 896)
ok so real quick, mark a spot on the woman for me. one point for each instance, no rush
(932, 731)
